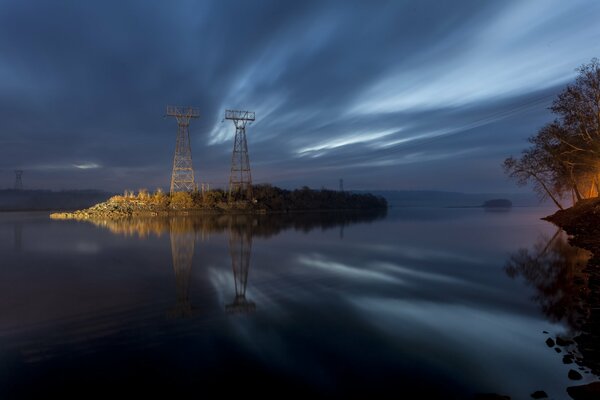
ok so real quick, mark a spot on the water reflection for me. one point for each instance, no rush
(262, 225)
(566, 281)
(419, 302)
(240, 248)
(18, 233)
(555, 269)
(183, 232)
(182, 251)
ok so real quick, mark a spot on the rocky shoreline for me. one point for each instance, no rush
(582, 223)
(116, 210)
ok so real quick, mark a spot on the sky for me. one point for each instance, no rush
(407, 95)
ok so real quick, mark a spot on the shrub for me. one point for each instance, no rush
(181, 201)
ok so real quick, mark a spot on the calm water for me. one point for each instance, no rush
(443, 302)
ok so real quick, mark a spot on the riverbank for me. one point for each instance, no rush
(582, 222)
(265, 199)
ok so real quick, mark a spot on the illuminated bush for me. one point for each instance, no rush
(181, 201)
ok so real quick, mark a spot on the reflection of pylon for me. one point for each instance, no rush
(240, 248)
(182, 178)
(240, 180)
(18, 236)
(182, 249)
(18, 180)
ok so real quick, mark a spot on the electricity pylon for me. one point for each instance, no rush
(18, 180)
(182, 179)
(240, 179)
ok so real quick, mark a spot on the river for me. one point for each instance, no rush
(445, 303)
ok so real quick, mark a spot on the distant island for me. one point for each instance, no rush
(497, 203)
(444, 199)
(265, 199)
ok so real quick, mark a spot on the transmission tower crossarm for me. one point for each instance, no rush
(178, 111)
(240, 115)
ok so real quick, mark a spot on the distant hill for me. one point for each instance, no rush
(433, 198)
(31, 200)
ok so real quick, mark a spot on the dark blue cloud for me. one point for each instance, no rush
(417, 95)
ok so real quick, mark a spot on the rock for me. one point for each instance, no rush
(574, 375)
(557, 349)
(540, 394)
(590, 391)
(546, 332)
(563, 342)
(568, 359)
(549, 342)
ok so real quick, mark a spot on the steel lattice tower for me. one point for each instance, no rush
(18, 180)
(240, 180)
(182, 179)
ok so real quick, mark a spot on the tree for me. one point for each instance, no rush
(564, 156)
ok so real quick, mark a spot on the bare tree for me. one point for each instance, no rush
(564, 156)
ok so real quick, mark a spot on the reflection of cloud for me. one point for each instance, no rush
(459, 337)
(347, 271)
(87, 247)
(422, 253)
(415, 273)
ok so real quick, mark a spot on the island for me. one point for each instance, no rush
(497, 204)
(265, 199)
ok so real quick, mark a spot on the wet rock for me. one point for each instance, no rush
(568, 359)
(590, 391)
(557, 349)
(540, 394)
(563, 342)
(546, 332)
(549, 342)
(574, 375)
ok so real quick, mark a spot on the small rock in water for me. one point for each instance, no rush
(557, 349)
(546, 332)
(563, 342)
(568, 359)
(549, 342)
(590, 391)
(574, 375)
(540, 394)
